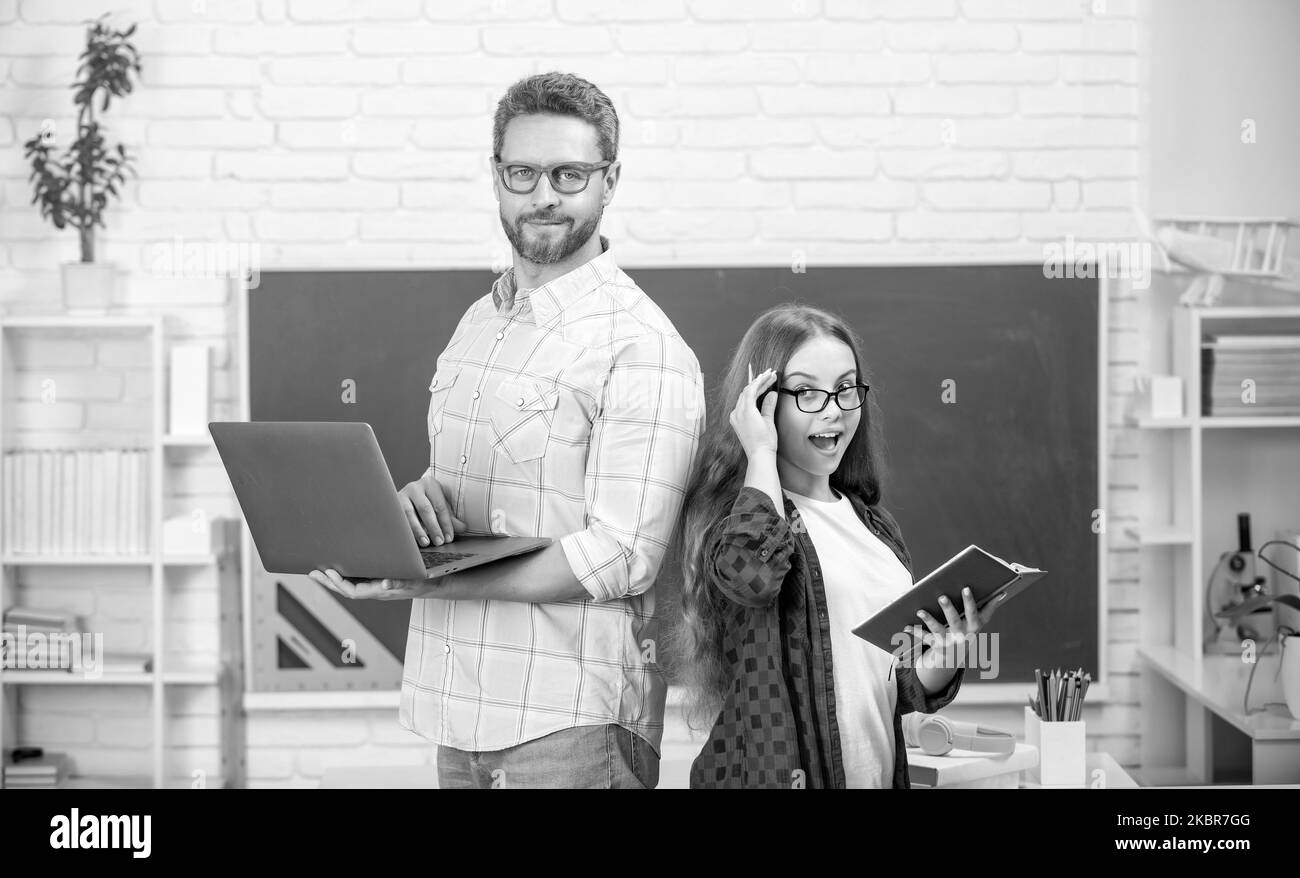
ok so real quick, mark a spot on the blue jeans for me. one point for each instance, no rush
(585, 757)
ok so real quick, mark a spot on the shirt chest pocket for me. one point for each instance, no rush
(521, 412)
(439, 394)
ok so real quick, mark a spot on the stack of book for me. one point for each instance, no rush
(50, 640)
(45, 771)
(27, 643)
(1250, 375)
(75, 502)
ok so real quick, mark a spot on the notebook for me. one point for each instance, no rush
(988, 576)
(969, 768)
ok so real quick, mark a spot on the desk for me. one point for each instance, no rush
(1195, 731)
(1111, 777)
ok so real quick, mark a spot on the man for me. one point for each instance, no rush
(565, 405)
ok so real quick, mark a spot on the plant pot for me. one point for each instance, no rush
(1291, 672)
(88, 287)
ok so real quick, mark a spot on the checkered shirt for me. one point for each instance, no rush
(777, 727)
(569, 411)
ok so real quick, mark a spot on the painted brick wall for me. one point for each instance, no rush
(335, 133)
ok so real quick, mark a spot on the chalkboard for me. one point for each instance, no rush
(1006, 458)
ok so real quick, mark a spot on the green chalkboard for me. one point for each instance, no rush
(1012, 465)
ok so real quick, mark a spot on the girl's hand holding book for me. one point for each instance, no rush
(948, 642)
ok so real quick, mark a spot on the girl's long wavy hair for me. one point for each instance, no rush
(717, 476)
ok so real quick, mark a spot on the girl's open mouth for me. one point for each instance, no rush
(827, 442)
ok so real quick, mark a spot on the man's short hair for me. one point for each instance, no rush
(562, 94)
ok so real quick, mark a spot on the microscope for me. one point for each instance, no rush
(1236, 580)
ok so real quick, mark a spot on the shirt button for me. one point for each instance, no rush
(462, 458)
(500, 335)
(476, 394)
(519, 401)
(762, 553)
(446, 647)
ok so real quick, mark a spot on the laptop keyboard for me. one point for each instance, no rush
(433, 557)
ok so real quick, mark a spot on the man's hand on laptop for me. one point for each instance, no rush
(376, 589)
(428, 512)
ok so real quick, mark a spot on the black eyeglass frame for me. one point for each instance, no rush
(827, 396)
(589, 168)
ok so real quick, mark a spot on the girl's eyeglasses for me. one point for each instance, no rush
(812, 400)
(568, 178)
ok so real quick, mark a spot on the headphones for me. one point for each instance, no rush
(936, 735)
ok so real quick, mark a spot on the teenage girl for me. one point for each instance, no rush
(787, 549)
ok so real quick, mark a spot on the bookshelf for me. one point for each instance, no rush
(1199, 472)
(174, 666)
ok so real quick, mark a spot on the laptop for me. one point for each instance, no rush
(318, 495)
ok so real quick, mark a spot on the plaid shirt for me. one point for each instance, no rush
(778, 717)
(570, 411)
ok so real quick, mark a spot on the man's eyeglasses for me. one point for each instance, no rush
(567, 178)
(812, 400)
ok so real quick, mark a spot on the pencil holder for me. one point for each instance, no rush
(1061, 751)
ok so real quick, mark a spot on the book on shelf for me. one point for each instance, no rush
(54, 655)
(42, 507)
(126, 533)
(28, 635)
(10, 504)
(76, 502)
(126, 663)
(1250, 376)
(45, 652)
(46, 770)
(79, 540)
(46, 620)
(1246, 341)
(98, 490)
(67, 527)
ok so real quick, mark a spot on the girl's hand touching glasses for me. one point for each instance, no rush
(755, 428)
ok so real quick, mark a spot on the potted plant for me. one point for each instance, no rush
(73, 189)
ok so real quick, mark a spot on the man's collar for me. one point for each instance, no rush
(556, 295)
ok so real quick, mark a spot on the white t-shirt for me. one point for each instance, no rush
(861, 575)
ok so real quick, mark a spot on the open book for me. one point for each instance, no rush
(988, 576)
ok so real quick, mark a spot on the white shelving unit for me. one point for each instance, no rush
(1201, 472)
(224, 673)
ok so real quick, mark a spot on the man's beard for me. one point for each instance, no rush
(550, 251)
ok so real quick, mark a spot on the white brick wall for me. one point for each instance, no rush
(347, 133)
